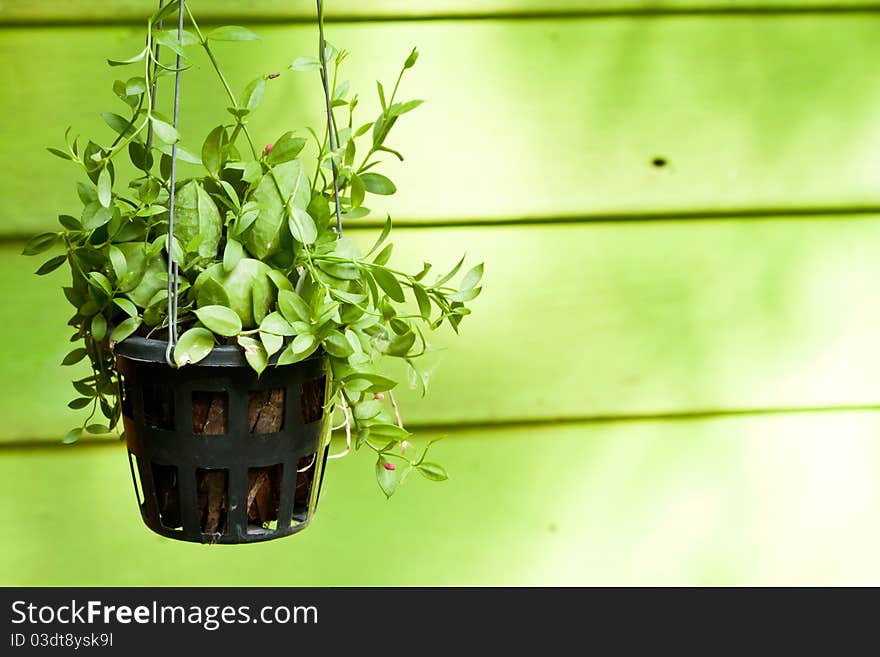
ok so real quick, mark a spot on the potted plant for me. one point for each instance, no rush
(225, 315)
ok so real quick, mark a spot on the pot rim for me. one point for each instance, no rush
(149, 350)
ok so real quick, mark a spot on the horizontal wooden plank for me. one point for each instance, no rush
(26, 11)
(748, 501)
(536, 120)
(581, 321)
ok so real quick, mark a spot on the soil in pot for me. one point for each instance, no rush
(210, 417)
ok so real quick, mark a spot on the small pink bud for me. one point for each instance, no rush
(390, 466)
(272, 76)
(268, 149)
(379, 395)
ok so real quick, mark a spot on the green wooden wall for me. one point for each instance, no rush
(671, 376)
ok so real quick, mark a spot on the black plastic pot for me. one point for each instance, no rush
(217, 454)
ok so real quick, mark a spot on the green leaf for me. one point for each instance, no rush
(72, 436)
(168, 38)
(286, 148)
(303, 342)
(231, 194)
(98, 280)
(40, 243)
(306, 64)
(389, 431)
(401, 345)
(80, 402)
(386, 231)
(367, 410)
(86, 193)
(220, 319)
(125, 329)
(120, 125)
(196, 214)
(275, 324)
(120, 264)
(398, 109)
(302, 226)
(302, 347)
(335, 344)
(367, 382)
(95, 215)
(126, 306)
(74, 356)
(232, 33)
(358, 191)
(356, 213)
(84, 389)
(51, 265)
(432, 471)
(182, 154)
(135, 86)
(424, 302)
(452, 273)
(164, 131)
(272, 343)
(213, 149)
(98, 327)
(388, 479)
(376, 183)
(293, 307)
(64, 155)
(211, 293)
(412, 59)
(254, 92)
(473, 277)
(70, 223)
(193, 346)
(130, 60)
(163, 13)
(97, 429)
(465, 295)
(384, 255)
(254, 353)
(263, 236)
(232, 254)
(381, 91)
(388, 282)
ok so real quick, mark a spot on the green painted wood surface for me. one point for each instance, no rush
(773, 500)
(524, 119)
(18, 11)
(583, 321)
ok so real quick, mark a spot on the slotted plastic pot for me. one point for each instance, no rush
(218, 454)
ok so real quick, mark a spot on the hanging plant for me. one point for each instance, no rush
(243, 277)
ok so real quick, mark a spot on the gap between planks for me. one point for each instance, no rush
(543, 423)
(755, 214)
(697, 11)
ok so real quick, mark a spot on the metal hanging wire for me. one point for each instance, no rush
(173, 266)
(330, 127)
(331, 130)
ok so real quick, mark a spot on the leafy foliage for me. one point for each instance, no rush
(260, 262)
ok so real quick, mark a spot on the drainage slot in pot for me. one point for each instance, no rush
(167, 495)
(305, 475)
(135, 477)
(125, 397)
(210, 412)
(212, 487)
(312, 401)
(264, 498)
(266, 410)
(159, 407)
